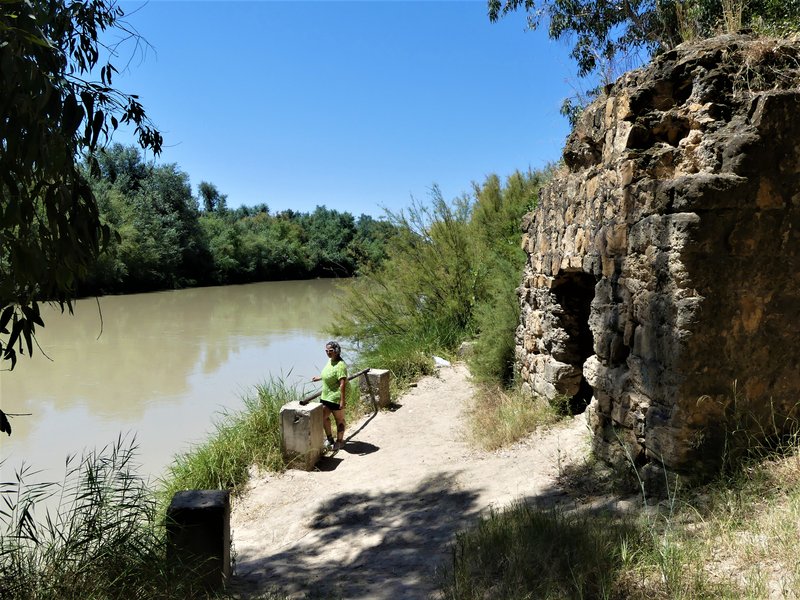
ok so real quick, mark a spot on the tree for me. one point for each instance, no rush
(329, 234)
(53, 112)
(603, 32)
(213, 200)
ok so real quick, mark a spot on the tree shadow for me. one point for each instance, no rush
(363, 545)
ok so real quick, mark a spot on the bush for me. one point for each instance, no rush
(451, 275)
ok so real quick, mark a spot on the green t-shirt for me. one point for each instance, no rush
(331, 375)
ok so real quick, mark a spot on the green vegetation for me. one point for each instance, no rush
(450, 276)
(104, 537)
(100, 538)
(609, 37)
(165, 239)
(54, 112)
(545, 554)
(240, 440)
(734, 538)
(503, 416)
(606, 33)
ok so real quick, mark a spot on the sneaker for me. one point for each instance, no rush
(328, 445)
(338, 446)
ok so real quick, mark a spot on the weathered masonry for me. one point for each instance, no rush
(663, 281)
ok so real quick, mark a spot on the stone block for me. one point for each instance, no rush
(199, 536)
(302, 434)
(378, 380)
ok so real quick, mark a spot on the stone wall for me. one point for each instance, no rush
(663, 279)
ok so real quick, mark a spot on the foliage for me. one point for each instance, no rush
(159, 242)
(213, 200)
(523, 552)
(452, 274)
(166, 240)
(421, 298)
(53, 112)
(496, 221)
(610, 36)
(328, 235)
(501, 417)
(240, 440)
(706, 542)
(100, 536)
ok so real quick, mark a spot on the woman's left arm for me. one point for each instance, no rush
(343, 391)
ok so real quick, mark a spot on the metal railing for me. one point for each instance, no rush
(317, 394)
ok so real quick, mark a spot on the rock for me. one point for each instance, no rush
(664, 260)
(440, 362)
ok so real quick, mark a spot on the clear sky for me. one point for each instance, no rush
(358, 106)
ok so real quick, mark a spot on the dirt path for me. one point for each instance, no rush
(375, 521)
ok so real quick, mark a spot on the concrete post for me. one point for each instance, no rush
(379, 381)
(302, 434)
(199, 535)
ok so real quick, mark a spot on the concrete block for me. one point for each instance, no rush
(379, 381)
(199, 535)
(302, 434)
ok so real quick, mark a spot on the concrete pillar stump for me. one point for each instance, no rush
(379, 381)
(199, 535)
(302, 434)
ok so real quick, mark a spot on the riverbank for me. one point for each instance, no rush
(377, 520)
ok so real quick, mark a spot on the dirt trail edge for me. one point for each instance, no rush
(376, 520)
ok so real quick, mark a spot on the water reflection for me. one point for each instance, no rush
(164, 364)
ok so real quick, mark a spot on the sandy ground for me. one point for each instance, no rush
(376, 521)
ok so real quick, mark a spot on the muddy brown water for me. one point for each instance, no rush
(158, 367)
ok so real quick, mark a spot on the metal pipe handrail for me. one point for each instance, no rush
(308, 399)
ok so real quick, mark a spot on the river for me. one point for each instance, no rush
(160, 367)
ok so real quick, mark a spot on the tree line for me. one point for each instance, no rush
(165, 237)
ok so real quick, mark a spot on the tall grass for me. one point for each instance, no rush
(528, 553)
(97, 534)
(733, 538)
(241, 439)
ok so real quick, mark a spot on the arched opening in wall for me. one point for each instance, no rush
(574, 291)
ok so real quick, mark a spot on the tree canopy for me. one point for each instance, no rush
(166, 238)
(57, 106)
(605, 32)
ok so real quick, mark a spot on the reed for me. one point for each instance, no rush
(94, 535)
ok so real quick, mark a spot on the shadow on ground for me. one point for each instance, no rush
(376, 546)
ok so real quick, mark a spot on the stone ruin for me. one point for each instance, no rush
(662, 287)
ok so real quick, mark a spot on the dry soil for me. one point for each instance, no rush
(377, 520)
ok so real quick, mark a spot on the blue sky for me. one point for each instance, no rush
(358, 106)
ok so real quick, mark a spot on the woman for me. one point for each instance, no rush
(334, 394)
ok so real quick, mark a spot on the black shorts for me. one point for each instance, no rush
(331, 405)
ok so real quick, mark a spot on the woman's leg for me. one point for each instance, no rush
(339, 416)
(326, 422)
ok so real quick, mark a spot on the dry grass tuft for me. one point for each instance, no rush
(501, 417)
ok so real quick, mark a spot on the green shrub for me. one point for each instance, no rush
(451, 275)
